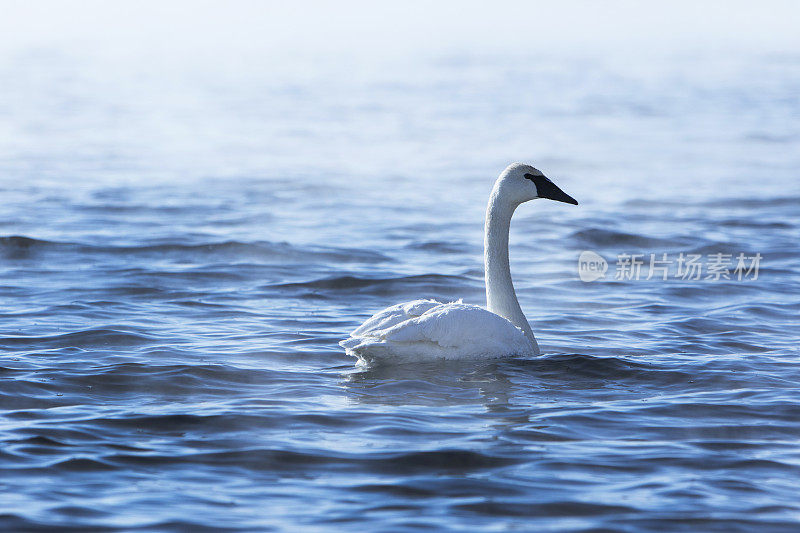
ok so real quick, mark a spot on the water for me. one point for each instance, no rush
(182, 246)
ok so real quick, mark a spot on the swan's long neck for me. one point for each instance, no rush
(500, 296)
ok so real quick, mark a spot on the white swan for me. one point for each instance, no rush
(427, 329)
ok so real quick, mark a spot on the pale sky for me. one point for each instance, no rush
(381, 27)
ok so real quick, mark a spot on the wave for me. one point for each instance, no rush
(18, 246)
(754, 202)
(82, 464)
(600, 367)
(441, 247)
(264, 459)
(556, 508)
(425, 285)
(743, 202)
(603, 237)
(89, 338)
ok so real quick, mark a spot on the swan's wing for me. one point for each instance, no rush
(455, 325)
(394, 315)
(443, 331)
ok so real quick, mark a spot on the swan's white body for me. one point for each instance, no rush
(428, 330)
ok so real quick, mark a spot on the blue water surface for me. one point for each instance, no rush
(183, 246)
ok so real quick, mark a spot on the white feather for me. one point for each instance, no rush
(427, 329)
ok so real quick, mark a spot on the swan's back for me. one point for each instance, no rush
(425, 330)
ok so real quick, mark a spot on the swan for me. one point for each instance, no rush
(424, 330)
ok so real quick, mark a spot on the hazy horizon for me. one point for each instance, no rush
(312, 27)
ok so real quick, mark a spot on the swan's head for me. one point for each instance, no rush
(521, 183)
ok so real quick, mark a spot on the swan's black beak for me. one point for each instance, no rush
(547, 189)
